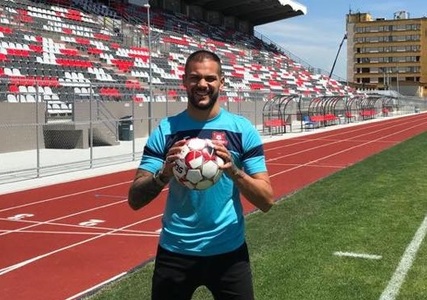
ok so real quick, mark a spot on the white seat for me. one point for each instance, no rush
(23, 89)
(31, 89)
(54, 108)
(31, 98)
(22, 98)
(16, 72)
(11, 98)
(8, 71)
(65, 108)
(48, 90)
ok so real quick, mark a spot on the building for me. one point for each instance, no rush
(388, 54)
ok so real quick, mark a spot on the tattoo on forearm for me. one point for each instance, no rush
(145, 192)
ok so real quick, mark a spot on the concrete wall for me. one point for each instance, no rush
(21, 126)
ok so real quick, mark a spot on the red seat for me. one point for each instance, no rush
(317, 118)
(274, 123)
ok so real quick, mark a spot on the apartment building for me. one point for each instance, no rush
(388, 54)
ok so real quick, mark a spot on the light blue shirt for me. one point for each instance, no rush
(205, 222)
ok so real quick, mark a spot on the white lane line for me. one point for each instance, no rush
(64, 196)
(359, 145)
(393, 287)
(49, 222)
(26, 262)
(354, 130)
(21, 264)
(140, 234)
(357, 255)
(311, 162)
(98, 228)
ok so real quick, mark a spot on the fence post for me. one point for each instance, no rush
(37, 131)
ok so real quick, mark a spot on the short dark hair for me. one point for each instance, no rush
(200, 55)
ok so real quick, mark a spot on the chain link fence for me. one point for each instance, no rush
(46, 133)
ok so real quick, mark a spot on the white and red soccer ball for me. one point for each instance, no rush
(198, 165)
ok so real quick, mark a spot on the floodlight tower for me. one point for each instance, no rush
(150, 88)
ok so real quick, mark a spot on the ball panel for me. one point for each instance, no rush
(209, 169)
(194, 175)
(179, 169)
(188, 184)
(196, 144)
(184, 151)
(194, 159)
(204, 184)
(219, 161)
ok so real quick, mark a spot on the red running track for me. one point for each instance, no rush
(60, 241)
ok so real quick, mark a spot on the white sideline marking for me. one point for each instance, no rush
(357, 255)
(96, 286)
(393, 287)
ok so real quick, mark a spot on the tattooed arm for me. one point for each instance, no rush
(145, 188)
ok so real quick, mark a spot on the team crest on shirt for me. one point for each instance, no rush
(219, 136)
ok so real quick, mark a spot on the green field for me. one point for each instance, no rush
(374, 208)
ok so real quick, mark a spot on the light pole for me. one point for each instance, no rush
(397, 79)
(150, 89)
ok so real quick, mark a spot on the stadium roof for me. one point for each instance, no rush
(257, 12)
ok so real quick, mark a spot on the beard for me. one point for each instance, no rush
(192, 98)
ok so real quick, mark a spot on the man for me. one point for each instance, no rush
(203, 240)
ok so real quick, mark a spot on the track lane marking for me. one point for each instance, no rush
(48, 222)
(64, 196)
(65, 225)
(8, 269)
(333, 154)
(343, 131)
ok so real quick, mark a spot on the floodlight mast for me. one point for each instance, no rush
(336, 57)
(150, 88)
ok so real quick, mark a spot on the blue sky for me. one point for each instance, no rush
(316, 36)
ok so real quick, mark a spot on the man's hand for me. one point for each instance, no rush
(256, 187)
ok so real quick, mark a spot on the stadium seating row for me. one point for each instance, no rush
(60, 47)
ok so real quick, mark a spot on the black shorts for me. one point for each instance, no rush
(227, 276)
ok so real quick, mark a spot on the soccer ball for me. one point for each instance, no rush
(198, 165)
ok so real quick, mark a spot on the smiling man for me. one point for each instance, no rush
(203, 237)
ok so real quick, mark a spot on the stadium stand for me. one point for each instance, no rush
(69, 49)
